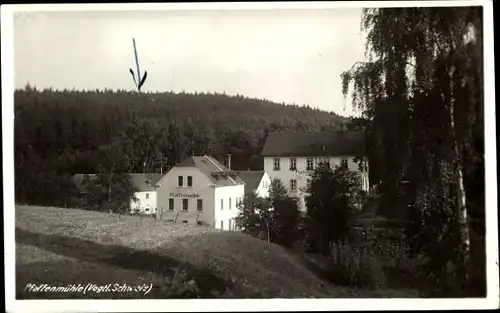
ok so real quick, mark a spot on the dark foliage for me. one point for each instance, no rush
(285, 221)
(333, 200)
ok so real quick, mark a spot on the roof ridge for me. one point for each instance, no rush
(220, 169)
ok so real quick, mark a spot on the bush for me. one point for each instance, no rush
(356, 266)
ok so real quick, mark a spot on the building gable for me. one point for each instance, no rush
(217, 173)
(252, 179)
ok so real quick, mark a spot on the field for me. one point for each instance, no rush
(60, 247)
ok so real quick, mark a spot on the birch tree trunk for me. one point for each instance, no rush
(459, 181)
(267, 228)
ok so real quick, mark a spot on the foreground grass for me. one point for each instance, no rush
(61, 246)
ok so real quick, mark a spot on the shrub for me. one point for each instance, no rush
(356, 266)
(285, 222)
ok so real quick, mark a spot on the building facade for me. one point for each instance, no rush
(145, 201)
(291, 157)
(256, 181)
(200, 190)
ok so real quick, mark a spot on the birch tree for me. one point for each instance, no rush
(421, 89)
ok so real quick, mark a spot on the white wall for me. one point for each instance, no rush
(145, 202)
(301, 174)
(226, 213)
(202, 189)
(263, 188)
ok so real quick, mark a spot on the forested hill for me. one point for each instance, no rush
(89, 131)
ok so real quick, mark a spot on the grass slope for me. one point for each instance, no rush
(60, 246)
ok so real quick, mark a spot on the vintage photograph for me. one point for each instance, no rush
(215, 153)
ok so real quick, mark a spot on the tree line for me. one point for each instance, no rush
(62, 132)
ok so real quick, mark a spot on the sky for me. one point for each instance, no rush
(290, 56)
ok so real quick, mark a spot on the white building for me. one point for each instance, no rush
(145, 201)
(292, 156)
(256, 181)
(200, 190)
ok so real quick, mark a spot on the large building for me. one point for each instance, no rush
(257, 182)
(292, 156)
(200, 190)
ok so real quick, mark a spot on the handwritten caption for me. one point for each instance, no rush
(89, 288)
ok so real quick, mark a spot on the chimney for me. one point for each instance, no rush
(229, 161)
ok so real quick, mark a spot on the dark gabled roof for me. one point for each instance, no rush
(213, 169)
(140, 181)
(251, 179)
(314, 144)
(145, 181)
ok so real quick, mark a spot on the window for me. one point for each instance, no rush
(344, 163)
(310, 164)
(229, 221)
(276, 164)
(222, 225)
(185, 222)
(180, 181)
(171, 204)
(190, 181)
(200, 223)
(199, 204)
(147, 196)
(229, 203)
(293, 184)
(185, 204)
(221, 204)
(325, 162)
(293, 164)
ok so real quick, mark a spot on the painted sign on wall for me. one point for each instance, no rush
(184, 195)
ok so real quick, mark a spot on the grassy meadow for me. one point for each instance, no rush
(60, 247)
